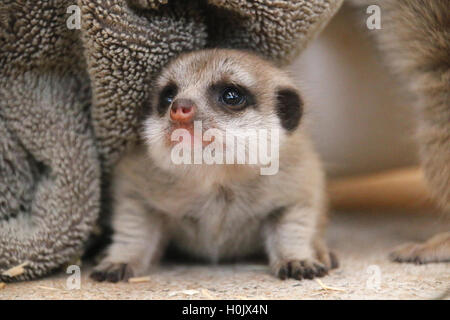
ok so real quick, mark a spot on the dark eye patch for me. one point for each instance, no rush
(289, 108)
(166, 97)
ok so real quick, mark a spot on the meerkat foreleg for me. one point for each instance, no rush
(289, 236)
(138, 242)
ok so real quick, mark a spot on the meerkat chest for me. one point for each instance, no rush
(221, 225)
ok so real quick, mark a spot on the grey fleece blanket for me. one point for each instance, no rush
(70, 100)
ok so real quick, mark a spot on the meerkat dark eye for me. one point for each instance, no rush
(166, 98)
(232, 96)
(168, 94)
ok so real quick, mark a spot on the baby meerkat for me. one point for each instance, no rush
(226, 208)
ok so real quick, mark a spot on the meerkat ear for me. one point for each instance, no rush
(289, 107)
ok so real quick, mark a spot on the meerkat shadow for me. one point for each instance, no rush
(174, 256)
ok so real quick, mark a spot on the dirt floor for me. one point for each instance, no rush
(362, 242)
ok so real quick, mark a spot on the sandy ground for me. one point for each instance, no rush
(362, 242)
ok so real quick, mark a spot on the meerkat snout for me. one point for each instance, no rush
(182, 111)
(232, 209)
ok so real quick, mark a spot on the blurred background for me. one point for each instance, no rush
(360, 118)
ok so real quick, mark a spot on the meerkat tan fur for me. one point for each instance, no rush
(220, 211)
(414, 40)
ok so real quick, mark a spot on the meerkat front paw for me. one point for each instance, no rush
(300, 269)
(325, 256)
(328, 258)
(112, 272)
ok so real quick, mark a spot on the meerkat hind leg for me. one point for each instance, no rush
(436, 249)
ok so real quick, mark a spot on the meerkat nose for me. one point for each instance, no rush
(182, 110)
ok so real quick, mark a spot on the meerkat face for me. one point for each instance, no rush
(204, 94)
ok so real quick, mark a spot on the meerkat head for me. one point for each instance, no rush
(205, 94)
